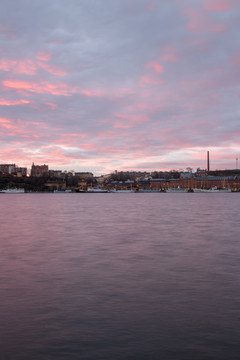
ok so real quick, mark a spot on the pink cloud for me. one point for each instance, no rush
(29, 67)
(8, 126)
(51, 69)
(148, 80)
(25, 67)
(23, 129)
(170, 54)
(92, 93)
(5, 102)
(52, 106)
(4, 121)
(7, 65)
(18, 66)
(56, 155)
(154, 65)
(44, 56)
(218, 5)
(43, 87)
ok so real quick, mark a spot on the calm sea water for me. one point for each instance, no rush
(120, 276)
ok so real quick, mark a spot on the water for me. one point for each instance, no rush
(119, 276)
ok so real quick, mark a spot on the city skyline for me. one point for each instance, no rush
(126, 84)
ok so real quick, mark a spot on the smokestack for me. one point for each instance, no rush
(208, 168)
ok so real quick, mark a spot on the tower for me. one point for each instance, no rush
(208, 167)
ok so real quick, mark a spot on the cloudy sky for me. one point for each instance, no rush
(104, 85)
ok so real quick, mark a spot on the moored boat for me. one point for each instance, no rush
(150, 191)
(177, 190)
(213, 190)
(97, 190)
(123, 191)
(12, 191)
(62, 191)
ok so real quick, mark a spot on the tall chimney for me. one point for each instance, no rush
(208, 167)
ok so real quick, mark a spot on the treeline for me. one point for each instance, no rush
(37, 183)
(173, 174)
(225, 172)
(28, 183)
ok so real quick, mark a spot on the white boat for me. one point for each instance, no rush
(212, 190)
(150, 191)
(126, 191)
(97, 190)
(12, 191)
(62, 191)
(177, 190)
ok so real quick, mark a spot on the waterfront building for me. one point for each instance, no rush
(193, 181)
(39, 170)
(21, 171)
(56, 174)
(204, 181)
(8, 169)
(158, 184)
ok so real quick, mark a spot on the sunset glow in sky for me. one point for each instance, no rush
(104, 85)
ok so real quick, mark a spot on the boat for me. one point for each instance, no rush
(123, 191)
(96, 190)
(62, 191)
(12, 191)
(150, 190)
(177, 190)
(213, 190)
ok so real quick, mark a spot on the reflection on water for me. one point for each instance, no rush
(131, 276)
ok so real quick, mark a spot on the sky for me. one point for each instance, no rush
(105, 85)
